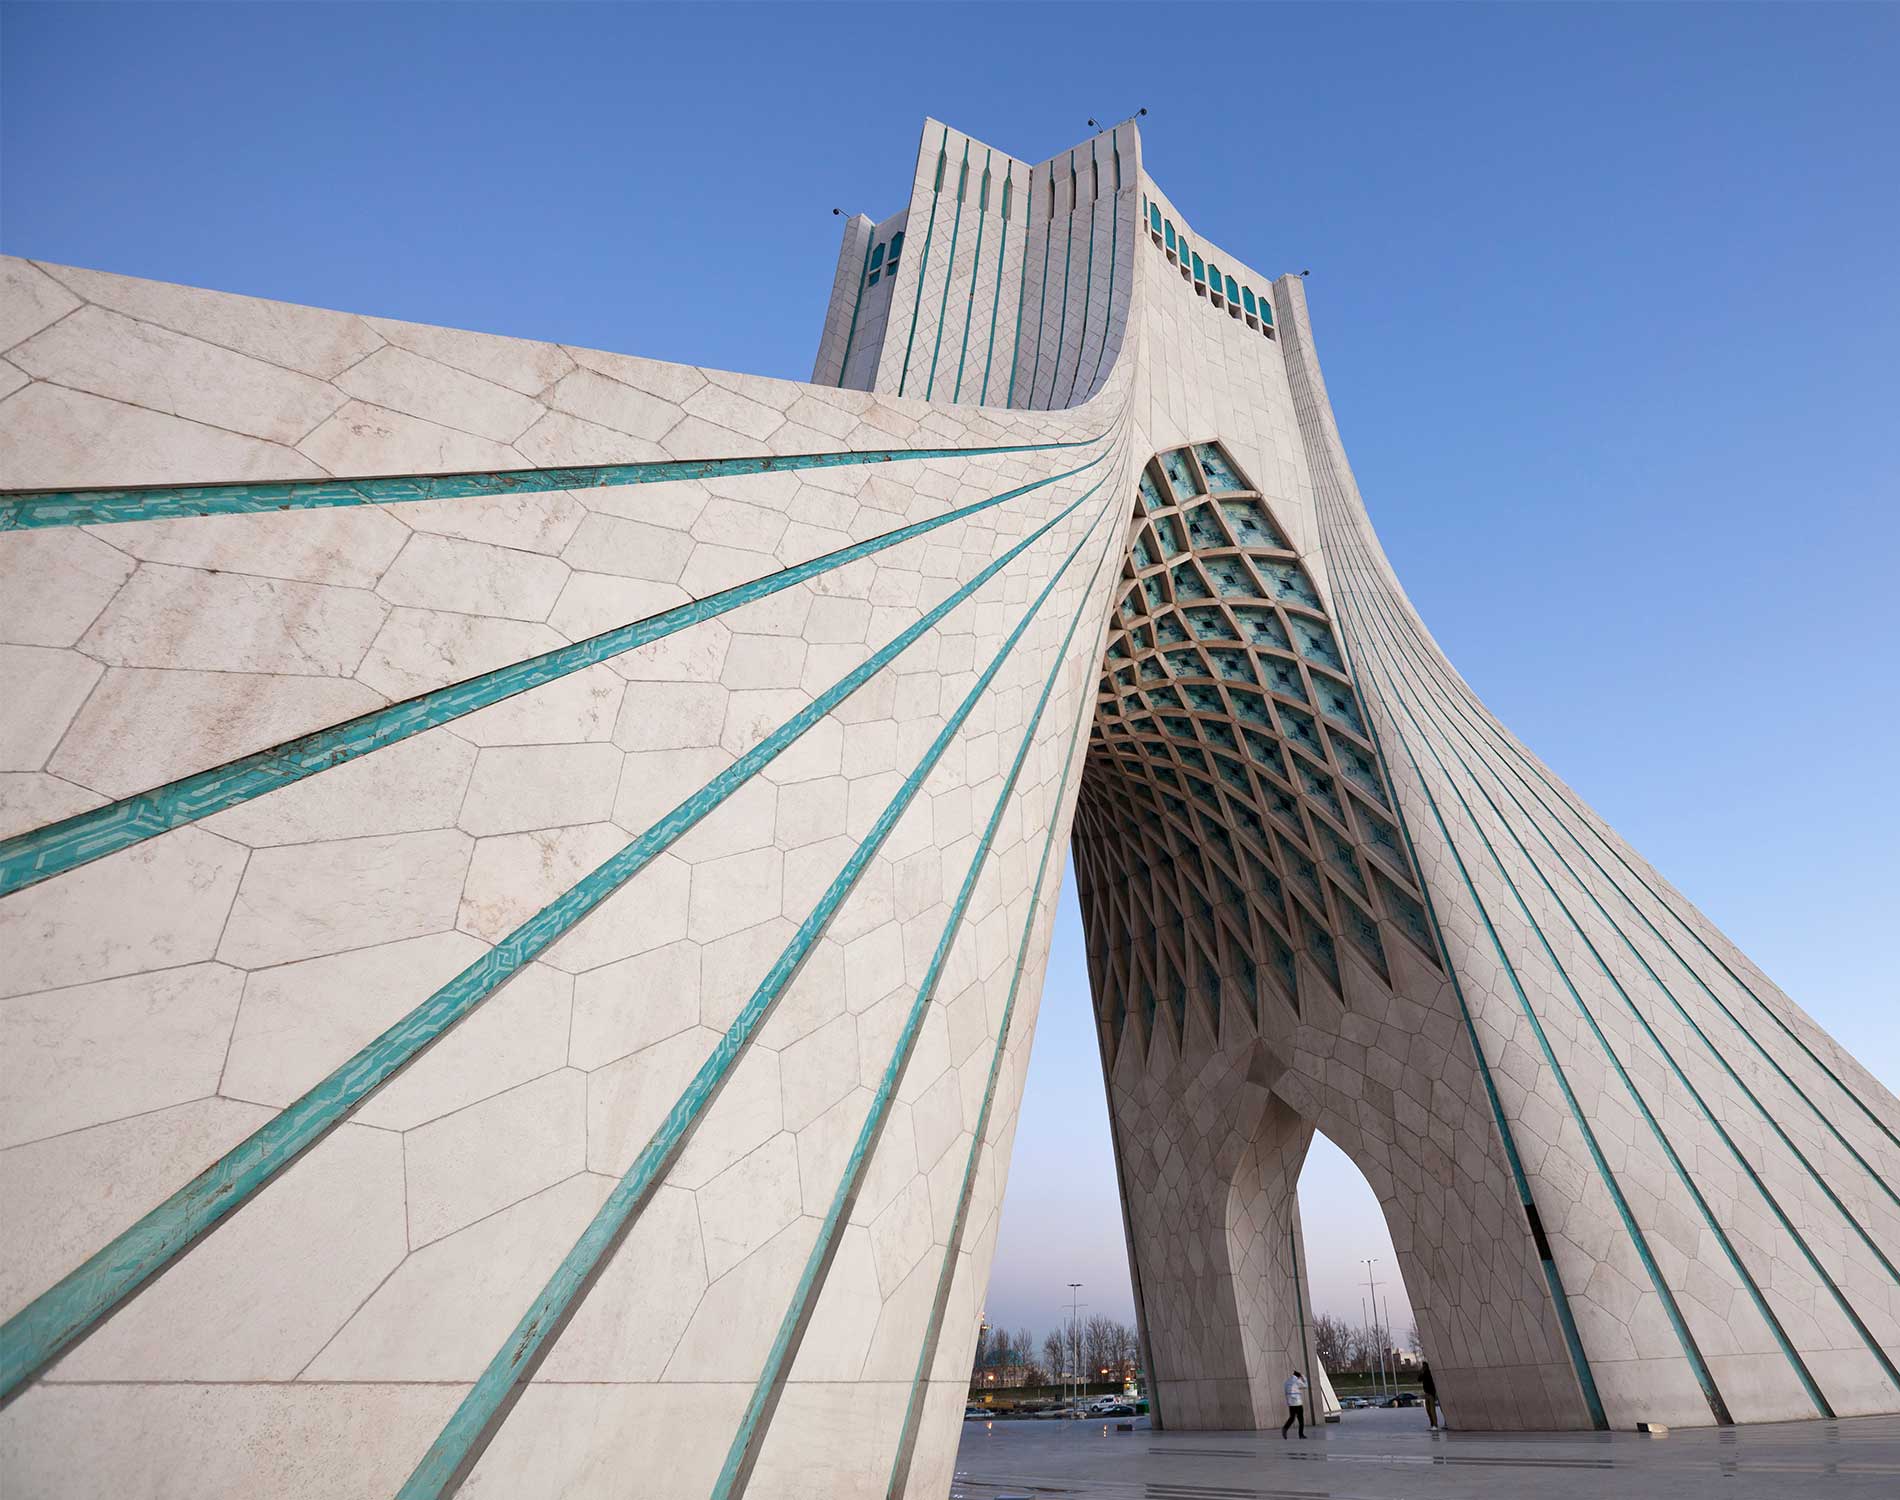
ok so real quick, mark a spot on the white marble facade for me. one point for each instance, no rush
(521, 983)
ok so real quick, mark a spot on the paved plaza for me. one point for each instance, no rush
(1380, 1455)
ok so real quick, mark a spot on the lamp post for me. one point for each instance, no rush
(1073, 1354)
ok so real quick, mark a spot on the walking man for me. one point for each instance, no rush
(1431, 1393)
(1295, 1404)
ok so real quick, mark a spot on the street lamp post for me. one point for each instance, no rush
(1073, 1354)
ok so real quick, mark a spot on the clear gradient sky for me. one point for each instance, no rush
(1606, 297)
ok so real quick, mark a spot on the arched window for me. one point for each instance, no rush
(1168, 227)
(1233, 291)
(1009, 184)
(1246, 300)
(983, 196)
(1213, 277)
(1154, 221)
(937, 186)
(897, 246)
(1095, 178)
(1266, 313)
(1052, 195)
(877, 266)
(963, 180)
(1200, 270)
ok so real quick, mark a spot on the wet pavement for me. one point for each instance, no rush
(1393, 1455)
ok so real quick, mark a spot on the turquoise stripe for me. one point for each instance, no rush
(26, 510)
(737, 1471)
(1553, 1278)
(1108, 313)
(856, 303)
(1022, 287)
(1062, 317)
(976, 275)
(923, 265)
(65, 1312)
(1088, 299)
(1642, 1105)
(1639, 1242)
(949, 269)
(43, 852)
(474, 1422)
(1509, 753)
(1396, 635)
(1042, 302)
(996, 304)
(946, 1277)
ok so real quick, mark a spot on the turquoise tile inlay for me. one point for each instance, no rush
(1263, 628)
(1232, 578)
(1209, 624)
(1181, 476)
(1251, 526)
(486, 1401)
(1316, 643)
(745, 1444)
(58, 1317)
(43, 852)
(1188, 583)
(1363, 933)
(26, 510)
(1204, 529)
(1406, 913)
(1150, 494)
(1220, 473)
(1288, 580)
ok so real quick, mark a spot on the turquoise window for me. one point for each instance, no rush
(1167, 230)
(983, 198)
(1200, 270)
(877, 265)
(1008, 184)
(1233, 290)
(1154, 219)
(1213, 277)
(1247, 302)
(897, 247)
(937, 186)
(1266, 313)
(1150, 495)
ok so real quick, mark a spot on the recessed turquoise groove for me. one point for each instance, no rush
(60, 1316)
(1396, 638)
(475, 1420)
(856, 303)
(1326, 482)
(946, 1275)
(25, 510)
(1108, 310)
(1062, 312)
(1042, 296)
(976, 277)
(746, 1442)
(44, 852)
(1022, 286)
(1692, 1352)
(1088, 298)
(923, 263)
(1735, 1261)
(949, 271)
(1509, 753)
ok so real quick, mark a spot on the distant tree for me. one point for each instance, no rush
(1101, 1347)
(1412, 1341)
(1332, 1342)
(1055, 1348)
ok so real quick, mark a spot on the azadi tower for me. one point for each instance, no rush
(528, 873)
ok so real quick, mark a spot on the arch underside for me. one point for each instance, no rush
(1262, 965)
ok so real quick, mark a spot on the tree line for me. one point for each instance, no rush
(1343, 1346)
(1097, 1348)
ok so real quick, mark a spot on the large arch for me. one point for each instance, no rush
(527, 874)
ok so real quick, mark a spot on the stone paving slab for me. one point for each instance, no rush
(1377, 1455)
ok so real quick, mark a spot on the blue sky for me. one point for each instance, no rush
(1606, 297)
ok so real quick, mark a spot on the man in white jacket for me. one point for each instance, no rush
(1295, 1403)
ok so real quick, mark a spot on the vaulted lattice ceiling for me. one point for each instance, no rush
(1235, 840)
